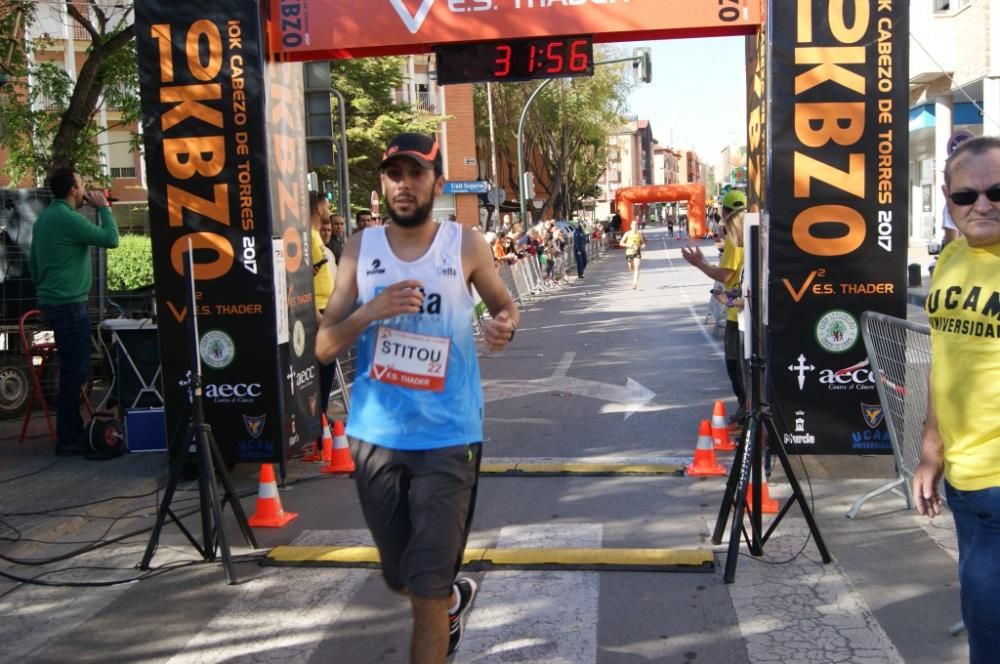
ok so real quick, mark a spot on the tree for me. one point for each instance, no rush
(51, 119)
(373, 117)
(565, 134)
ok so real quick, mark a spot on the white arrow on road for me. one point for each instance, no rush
(632, 396)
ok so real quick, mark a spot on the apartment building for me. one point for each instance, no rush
(630, 163)
(954, 85)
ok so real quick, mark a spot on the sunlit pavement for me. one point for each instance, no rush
(560, 392)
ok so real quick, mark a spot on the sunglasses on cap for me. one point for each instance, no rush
(970, 196)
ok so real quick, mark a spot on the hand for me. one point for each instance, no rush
(925, 487)
(498, 331)
(96, 199)
(693, 256)
(404, 297)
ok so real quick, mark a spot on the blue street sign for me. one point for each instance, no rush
(467, 187)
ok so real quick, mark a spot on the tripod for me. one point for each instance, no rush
(197, 444)
(750, 451)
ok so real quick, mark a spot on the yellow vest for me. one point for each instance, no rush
(322, 279)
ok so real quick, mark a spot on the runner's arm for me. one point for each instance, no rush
(342, 323)
(505, 317)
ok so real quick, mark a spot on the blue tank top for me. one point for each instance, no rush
(417, 384)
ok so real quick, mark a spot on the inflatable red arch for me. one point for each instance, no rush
(693, 193)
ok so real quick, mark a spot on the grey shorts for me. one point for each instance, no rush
(418, 507)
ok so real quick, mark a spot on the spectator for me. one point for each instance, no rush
(338, 235)
(580, 250)
(59, 262)
(362, 220)
(961, 439)
(729, 272)
(320, 258)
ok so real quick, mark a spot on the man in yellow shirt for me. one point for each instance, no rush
(962, 431)
(634, 243)
(319, 213)
(729, 272)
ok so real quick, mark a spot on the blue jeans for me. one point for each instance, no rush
(977, 521)
(71, 324)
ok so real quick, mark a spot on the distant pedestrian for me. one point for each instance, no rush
(579, 250)
(59, 263)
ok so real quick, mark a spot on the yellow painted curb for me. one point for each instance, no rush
(686, 560)
(582, 469)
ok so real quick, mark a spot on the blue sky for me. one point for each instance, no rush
(698, 93)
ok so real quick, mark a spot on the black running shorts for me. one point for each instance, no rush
(636, 255)
(418, 506)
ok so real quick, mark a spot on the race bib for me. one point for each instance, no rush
(415, 361)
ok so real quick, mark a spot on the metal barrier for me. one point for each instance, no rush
(899, 352)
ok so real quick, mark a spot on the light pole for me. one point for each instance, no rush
(640, 56)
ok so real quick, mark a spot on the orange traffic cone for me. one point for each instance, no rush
(720, 430)
(340, 461)
(768, 505)
(704, 454)
(269, 512)
(327, 455)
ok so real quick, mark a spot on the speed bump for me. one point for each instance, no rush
(568, 559)
(519, 469)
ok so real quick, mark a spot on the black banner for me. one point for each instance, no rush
(201, 73)
(837, 203)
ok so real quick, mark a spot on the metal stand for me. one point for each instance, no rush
(197, 444)
(748, 462)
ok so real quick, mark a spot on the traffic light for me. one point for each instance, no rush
(529, 185)
(319, 115)
(642, 64)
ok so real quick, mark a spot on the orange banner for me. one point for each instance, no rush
(323, 29)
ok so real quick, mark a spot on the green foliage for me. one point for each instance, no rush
(55, 120)
(130, 266)
(565, 132)
(372, 118)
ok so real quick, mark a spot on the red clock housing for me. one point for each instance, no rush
(515, 60)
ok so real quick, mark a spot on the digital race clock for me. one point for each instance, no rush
(515, 60)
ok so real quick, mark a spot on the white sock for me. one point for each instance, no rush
(458, 600)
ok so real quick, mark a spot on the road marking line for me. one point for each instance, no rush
(712, 341)
(539, 617)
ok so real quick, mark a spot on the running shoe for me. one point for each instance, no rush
(467, 594)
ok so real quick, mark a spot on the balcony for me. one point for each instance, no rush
(424, 101)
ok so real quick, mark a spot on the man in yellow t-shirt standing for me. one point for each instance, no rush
(319, 213)
(729, 272)
(634, 243)
(962, 431)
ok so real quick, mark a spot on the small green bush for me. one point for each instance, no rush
(130, 266)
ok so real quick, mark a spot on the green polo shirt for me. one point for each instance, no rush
(60, 251)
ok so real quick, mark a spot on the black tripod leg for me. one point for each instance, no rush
(750, 436)
(207, 479)
(739, 462)
(778, 448)
(231, 495)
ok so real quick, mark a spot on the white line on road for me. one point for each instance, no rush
(538, 617)
(712, 341)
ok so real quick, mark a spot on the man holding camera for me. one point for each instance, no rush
(60, 267)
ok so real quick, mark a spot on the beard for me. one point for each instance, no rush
(421, 213)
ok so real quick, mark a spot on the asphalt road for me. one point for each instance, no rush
(598, 372)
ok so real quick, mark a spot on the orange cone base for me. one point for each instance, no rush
(312, 455)
(703, 466)
(341, 463)
(768, 505)
(722, 441)
(271, 520)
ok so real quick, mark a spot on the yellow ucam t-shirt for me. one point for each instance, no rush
(732, 259)
(963, 308)
(322, 278)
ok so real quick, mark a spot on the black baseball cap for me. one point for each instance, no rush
(421, 148)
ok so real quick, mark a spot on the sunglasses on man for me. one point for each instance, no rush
(970, 196)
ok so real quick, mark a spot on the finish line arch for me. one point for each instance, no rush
(693, 193)
(827, 128)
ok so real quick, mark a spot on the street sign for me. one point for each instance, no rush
(374, 203)
(466, 187)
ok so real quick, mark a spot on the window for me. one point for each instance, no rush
(118, 173)
(949, 5)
